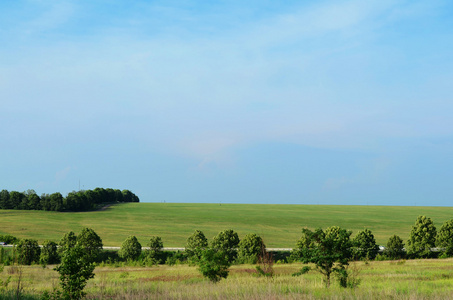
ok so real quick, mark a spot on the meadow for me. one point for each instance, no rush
(279, 225)
(414, 279)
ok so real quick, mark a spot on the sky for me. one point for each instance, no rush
(285, 102)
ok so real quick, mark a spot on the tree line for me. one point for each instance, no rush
(84, 200)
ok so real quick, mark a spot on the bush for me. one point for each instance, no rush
(90, 242)
(9, 239)
(28, 251)
(422, 238)
(250, 248)
(67, 241)
(365, 245)
(227, 242)
(214, 264)
(75, 270)
(130, 249)
(49, 254)
(394, 248)
(155, 249)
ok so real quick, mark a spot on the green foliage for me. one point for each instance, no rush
(422, 238)
(67, 241)
(445, 238)
(49, 254)
(9, 239)
(75, 270)
(130, 249)
(365, 245)
(28, 251)
(214, 264)
(155, 249)
(90, 242)
(329, 251)
(196, 243)
(394, 248)
(226, 241)
(250, 248)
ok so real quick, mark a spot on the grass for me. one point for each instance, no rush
(415, 279)
(279, 225)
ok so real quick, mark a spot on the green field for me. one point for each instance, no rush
(279, 225)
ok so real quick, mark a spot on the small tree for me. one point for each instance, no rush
(445, 238)
(213, 264)
(226, 241)
(329, 251)
(90, 242)
(49, 253)
(365, 245)
(28, 251)
(250, 248)
(422, 238)
(395, 247)
(75, 270)
(155, 249)
(67, 241)
(196, 243)
(130, 249)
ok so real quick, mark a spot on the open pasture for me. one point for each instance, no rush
(279, 225)
(415, 279)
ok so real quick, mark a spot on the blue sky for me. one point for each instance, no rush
(297, 102)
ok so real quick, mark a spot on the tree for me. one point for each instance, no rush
(395, 247)
(4, 200)
(250, 248)
(49, 254)
(75, 270)
(33, 200)
(67, 241)
(214, 264)
(90, 242)
(422, 238)
(445, 238)
(195, 244)
(329, 251)
(226, 241)
(155, 248)
(28, 251)
(365, 244)
(130, 249)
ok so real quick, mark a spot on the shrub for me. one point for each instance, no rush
(422, 238)
(155, 249)
(250, 248)
(226, 241)
(90, 242)
(75, 270)
(67, 241)
(130, 249)
(214, 264)
(28, 251)
(49, 254)
(394, 248)
(365, 245)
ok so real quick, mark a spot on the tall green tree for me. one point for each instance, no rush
(195, 244)
(49, 254)
(155, 249)
(90, 241)
(365, 245)
(4, 200)
(394, 248)
(422, 238)
(226, 241)
(329, 250)
(67, 241)
(445, 238)
(250, 248)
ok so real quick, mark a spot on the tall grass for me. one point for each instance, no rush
(415, 279)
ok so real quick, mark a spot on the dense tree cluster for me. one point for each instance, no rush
(74, 201)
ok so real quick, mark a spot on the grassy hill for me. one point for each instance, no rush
(279, 225)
